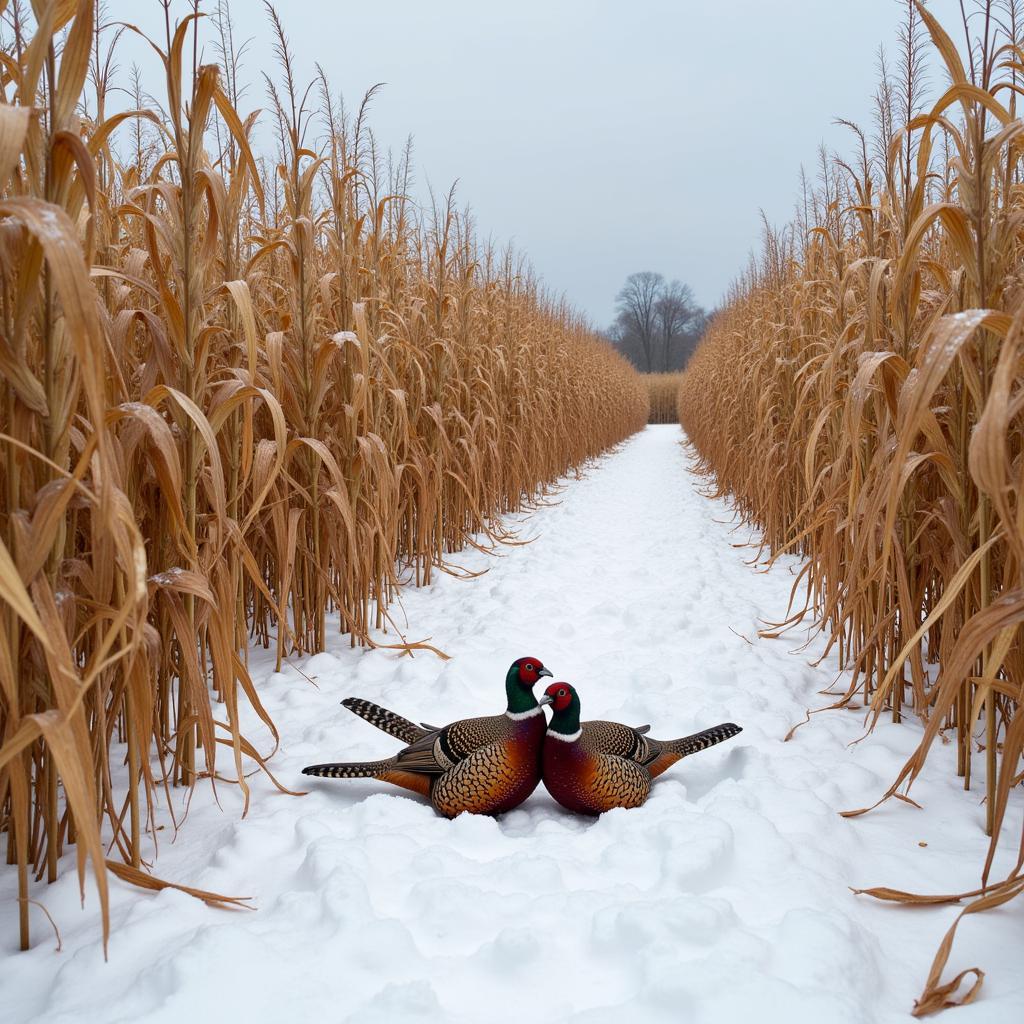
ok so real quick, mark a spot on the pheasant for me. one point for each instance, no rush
(593, 767)
(481, 765)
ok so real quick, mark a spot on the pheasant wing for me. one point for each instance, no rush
(426, 755)
(617, 739)
(438, 751)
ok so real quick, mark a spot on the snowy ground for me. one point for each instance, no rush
(724, 899)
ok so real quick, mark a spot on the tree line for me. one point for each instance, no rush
(658, 323)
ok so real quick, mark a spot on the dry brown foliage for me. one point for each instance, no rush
(861, 399)
(234, 397)
(662, 392)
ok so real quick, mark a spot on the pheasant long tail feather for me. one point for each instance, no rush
(387, 721)
(702, 740)
(351, 770)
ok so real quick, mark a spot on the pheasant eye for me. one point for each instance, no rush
(528, 667)
(561, 693)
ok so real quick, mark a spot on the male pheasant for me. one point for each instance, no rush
(481, 765)
(593, 767)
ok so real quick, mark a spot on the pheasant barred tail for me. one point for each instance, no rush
(355, 770)
(387, 721)
(702, 740)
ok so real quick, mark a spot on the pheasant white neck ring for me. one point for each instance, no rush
(519, 716)
(565, 737)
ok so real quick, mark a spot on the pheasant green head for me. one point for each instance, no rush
(565, 703)
(522, 675)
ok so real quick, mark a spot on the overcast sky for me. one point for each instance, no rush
(600, 136)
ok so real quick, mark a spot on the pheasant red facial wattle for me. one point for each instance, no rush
(531, 671)
(481, 765)
(561, 695)
(591, 767)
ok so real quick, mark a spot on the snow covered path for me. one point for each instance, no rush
(723, 899)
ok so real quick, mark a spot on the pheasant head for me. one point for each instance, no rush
(565, 703)
(522, 675)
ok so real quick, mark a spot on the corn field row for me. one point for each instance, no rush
(236, 397)
(861, 399)
(662, 389)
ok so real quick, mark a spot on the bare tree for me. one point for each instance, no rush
(658, 323)
(636, 316)
(675, 312)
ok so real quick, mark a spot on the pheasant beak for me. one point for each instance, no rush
(541, 672)
(546, 699)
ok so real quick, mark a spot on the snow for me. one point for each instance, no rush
(725, 898)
